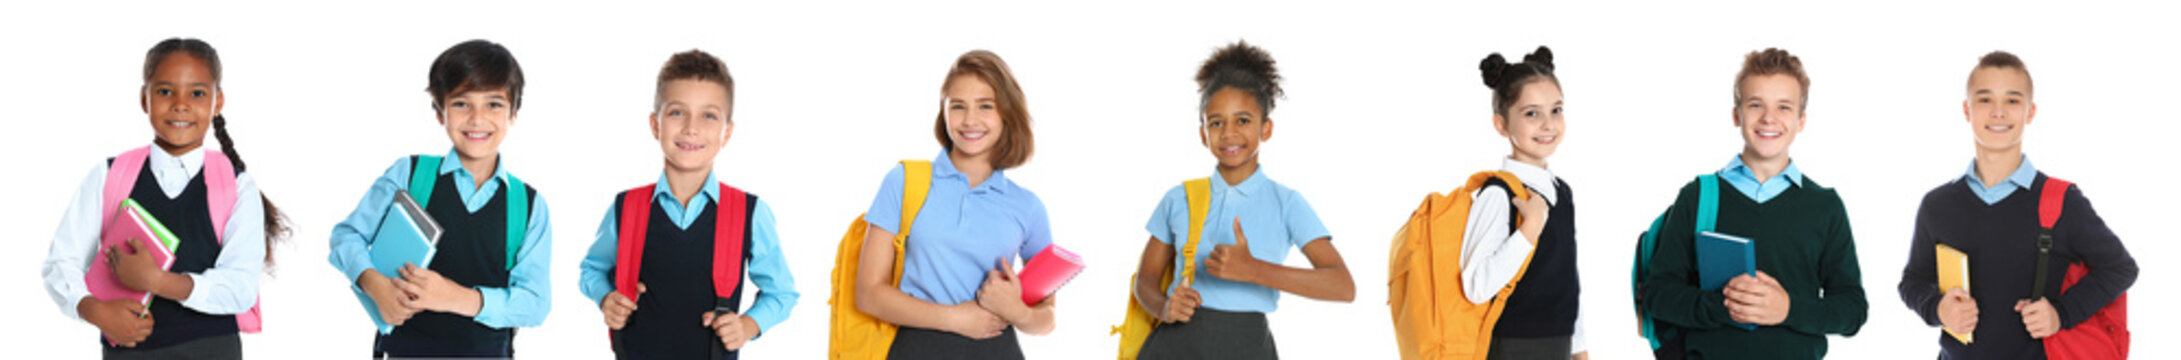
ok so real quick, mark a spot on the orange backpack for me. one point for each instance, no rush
(1431, 318)
(856, 335)
(1137, 325)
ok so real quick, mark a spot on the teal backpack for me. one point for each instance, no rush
(1707, 217)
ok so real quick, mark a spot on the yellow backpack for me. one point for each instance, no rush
(1431, 318)
(857, 335)
(1139, 322)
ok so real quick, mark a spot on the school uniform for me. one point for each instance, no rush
(1802, 238)
(1543, 317)
(172, 188)
(1230, 323)
(677, 270)
(960, 233)
(1997, 226)
(472, 252)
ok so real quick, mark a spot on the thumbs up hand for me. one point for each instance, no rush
(1234, 262)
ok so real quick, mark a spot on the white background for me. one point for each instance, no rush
(1384, 105)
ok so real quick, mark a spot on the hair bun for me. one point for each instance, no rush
(1542, 59)
(1494, 68)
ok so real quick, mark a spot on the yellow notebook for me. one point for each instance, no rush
(1954, 273)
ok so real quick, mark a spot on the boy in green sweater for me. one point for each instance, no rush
(1807, 283)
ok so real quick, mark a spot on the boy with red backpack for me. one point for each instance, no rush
(2014, 224)
(667, 268)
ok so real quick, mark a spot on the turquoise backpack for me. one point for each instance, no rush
(1707, 218)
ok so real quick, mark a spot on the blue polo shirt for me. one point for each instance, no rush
(1275, 218)
(962, 231)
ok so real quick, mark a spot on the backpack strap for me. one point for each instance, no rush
(518, 216)
(1707, 203)
(220, 196)
(915, 186)
(2049, 205)
(121, 179)
(729, 236)
(629, 248)
(423, 178)
(1199, 192)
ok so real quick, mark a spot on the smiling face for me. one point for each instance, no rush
(1999, 107)
(1234, 124)
(1533, 124)
(691, 123)
(973, 116)
(1770, 114)
(477, 120)
(180, 99)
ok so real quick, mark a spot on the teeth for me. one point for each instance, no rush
(1767, 134)
(179, 123)
(1545, 139)
(476, 134)
(1999, 127)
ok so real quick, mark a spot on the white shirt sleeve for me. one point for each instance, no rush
(1491, 252)
(74, 243)
(231, 285)
(1576, 343)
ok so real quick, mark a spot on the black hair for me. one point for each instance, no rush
(1507, 80)
(1241, 67)
(277, 227)
(476, 65)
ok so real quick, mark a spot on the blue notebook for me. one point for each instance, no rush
(1721, 257)
(407, 235)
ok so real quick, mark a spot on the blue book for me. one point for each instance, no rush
(406, 235)
(1721, 257)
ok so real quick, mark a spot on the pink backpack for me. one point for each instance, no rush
(219, 181)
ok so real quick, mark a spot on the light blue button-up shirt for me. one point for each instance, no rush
(1274, 218)
(2023, 177)
(962, 231)
(767, 267)
(1743, 179)
(528, 296)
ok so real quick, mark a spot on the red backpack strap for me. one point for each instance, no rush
(629, 251)
(2049, 205)
(728, 238)
(121, 179)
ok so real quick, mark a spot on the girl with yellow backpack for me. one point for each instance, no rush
(1222, 316)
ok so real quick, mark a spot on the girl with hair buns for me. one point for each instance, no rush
(1542, 318)
(1220, 312)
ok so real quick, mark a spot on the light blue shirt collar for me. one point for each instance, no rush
(684, 215)
(1745, 180)
(2023, 178)
(473, 195)
(1254, 184)
(943, 167)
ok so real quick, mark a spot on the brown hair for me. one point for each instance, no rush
(1015, 142)
(1999, 59)
(696, 65)
(1507, 80)
(1772, 61)
(475, 65)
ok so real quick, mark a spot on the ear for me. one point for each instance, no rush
(439, 113)
(1203, 135)
(219, 101)
(1736, 114)
(1267, 136)
(1965, 115)
(727, 132)
(1499, 123)
(143, 99)
(655, 126)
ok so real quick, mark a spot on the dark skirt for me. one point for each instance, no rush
(1553, 348)
(397, 346)
(920, 344)
(1212, 334)
(216, 347)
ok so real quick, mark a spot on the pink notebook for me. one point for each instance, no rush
(1045, 272)
(129, 222)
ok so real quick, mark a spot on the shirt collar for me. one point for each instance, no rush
(1533, 177)
(2024, 176)
(189, 162)
(1792, 173)
(943, 167)
(453, 162)
(710, 189)
(1253, 184)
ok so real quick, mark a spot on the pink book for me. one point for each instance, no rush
(129, 222)
(1045, 272)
